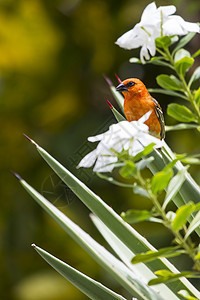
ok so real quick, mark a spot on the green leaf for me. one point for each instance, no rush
(160, 180)
(183, 64)
(181, 126)
(196, 53)
(131, 238)
(111, 219)
(174, 186)
(117, 115)
(189, 187)
(90, 287)
(140, 190)
(184, 41)
(167, 276)
(193, 225)
(197, 207)
(148, 149)
(191, 160)
(180, 112)
(177, 81)
(140, 270)
(168, 83)
(197, 256)
(151, 255)
(95, 250)
(197, 96)
(167, 92)
(159, 62)
(180, 54)
(163, 41)
(195, 76)
(186, 295)
(132, 216)
(129, 170)
(182, 215)
(174, 39)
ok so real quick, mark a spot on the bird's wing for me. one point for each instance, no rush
(160, 116)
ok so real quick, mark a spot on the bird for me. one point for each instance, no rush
(138, 102)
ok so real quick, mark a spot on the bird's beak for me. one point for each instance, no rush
(121, 87)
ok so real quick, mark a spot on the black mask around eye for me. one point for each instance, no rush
(130, 84)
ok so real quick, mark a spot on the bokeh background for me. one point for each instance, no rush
(52, 57)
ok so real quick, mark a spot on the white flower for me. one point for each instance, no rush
(155, 22)
(132, 136)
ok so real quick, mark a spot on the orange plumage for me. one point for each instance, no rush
(138, 101)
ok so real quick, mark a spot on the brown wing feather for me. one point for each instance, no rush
(160, 116)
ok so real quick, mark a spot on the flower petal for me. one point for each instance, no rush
(167, 10)
(105, 163)
(177, 25)
(131, 39)
(147, 15)
(145, 117)
(88, 160)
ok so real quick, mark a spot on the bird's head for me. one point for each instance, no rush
(132, 86)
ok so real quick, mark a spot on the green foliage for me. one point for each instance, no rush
(193, 225)
(166, 276)
(134, 216)
(163, 42)
(183, 41)
(182, 215)
(182, 65)
(195, 76)
(197, 53)
(186, 295)
(181, 53)
(180, 112)
(88, 286)
(197, 96)
(174, 186)
(121, 237)
(160, 181)
(151, 255)
(169, 82)
(128, 170)
(137, 189)
(168, 92)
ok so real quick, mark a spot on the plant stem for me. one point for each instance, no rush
(169, 57)
(186, 245)
(114, 181)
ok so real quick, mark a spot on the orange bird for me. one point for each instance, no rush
(138, 102)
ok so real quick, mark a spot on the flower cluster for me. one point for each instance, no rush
(131, 136)
(155, 22)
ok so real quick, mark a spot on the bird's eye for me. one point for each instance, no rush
(130, 83)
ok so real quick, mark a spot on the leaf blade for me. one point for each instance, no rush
(87, 285)
(180, 112)
(182, 215)
(174, 186)
(134, 216)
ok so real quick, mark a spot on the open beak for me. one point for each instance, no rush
(121, 87)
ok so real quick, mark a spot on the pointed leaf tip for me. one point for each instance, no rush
(109, 82)
(118, 79)
(16, 175)
(33, 245)
(30, 140)
(110, 105)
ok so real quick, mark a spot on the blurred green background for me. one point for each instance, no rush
(52, 56)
